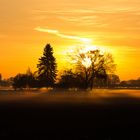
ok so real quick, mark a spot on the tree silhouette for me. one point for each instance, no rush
(93, 64)
(27, 80)
(31, 80)
(47, 68)
(70, 79)
(19, 81)
(113, 80)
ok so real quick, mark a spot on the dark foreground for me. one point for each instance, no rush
(70, 117)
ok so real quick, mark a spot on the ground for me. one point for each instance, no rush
(61, 114)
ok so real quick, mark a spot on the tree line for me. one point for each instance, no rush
(45, 76)
(130, 83)
(91, 68)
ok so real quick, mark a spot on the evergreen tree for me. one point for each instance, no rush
(47, 67)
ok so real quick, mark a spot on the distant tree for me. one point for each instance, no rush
(123, 83)
(20, 81)
(100, 82)
(10, 81)
(27, 80)
(70, 79)
(113, 80)
(31, 80)
(133, 83)
(92, 64)
(47, 68)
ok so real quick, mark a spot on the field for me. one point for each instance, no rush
(62, 114)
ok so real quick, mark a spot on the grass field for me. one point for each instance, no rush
(62, 114)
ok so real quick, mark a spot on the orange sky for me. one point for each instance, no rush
(27, 25)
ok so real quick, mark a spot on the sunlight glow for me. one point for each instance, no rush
(85, 40)
(87, 48)
(86, 62)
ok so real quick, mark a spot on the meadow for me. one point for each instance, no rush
(71, 96)
(70, 114)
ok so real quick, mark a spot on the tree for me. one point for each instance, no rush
(70, 79)
(47, 67)
(26, 80)
(31, 80)
(113, 80)
(19, 81)
(92, 64)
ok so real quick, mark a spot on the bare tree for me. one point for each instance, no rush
(91, 64)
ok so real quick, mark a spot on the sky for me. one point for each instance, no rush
(26, 26)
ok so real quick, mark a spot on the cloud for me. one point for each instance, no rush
(57, 33)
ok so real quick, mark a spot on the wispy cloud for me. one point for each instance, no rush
(57, 33)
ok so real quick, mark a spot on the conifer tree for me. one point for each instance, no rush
(47, 68)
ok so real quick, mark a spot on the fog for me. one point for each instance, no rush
(97, 96)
